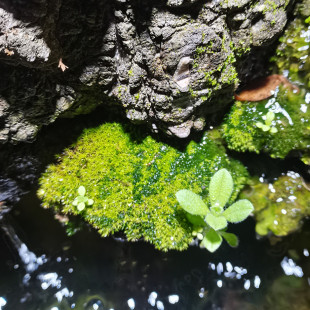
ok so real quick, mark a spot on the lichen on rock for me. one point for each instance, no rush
(132, 180)
(280, 206)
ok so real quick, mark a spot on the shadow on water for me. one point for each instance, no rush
(42, 268)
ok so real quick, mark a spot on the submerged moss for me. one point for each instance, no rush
(133, 180)
(288, 292)
(281, 206)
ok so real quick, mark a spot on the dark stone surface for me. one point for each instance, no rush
(170, 64)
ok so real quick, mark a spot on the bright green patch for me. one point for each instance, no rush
(133, 180)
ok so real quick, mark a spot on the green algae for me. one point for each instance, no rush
(291, 121)
(281, 206)
(132, 180)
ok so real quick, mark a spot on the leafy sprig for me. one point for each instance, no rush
(82, 201)
(210, 222)
(269, 117)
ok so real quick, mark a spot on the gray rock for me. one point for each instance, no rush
(171, 64)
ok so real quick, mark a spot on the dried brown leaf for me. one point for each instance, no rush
(263, 88)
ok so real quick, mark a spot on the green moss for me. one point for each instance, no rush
(292, 54)
(228, 73)
(291, 120)
(279, 207)
(241, 49)
(133, 180)
(201, 50)
(291, 109)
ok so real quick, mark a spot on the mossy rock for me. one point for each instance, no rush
(292, 55)
(281, 206)
(133, 180)
(291, 120)
(291, 109)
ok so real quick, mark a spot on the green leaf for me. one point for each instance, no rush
(307, 20)
(238, 211)
(75, 202)
(231, 239)
(259, 124)
(220, 188)
(273, 130)
(216, 222)
(269, 118)
(81, 198)
(81, 206)
(268, 122)
(81, 190)
(89, 202)
(212, 240)
(216, 210)
(196, 220)
(265, 127)
(191, 202)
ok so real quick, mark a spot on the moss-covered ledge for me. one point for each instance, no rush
(290, 106)
(132, 180)
(291, 120)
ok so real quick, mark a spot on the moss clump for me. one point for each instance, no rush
(132, 180)
(279, 207)
(291, 121)
(291, 110)
(292, 55)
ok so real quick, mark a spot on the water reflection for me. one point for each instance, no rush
(2, 302)
(88, 272)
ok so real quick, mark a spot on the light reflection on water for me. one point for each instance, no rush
(88, 272)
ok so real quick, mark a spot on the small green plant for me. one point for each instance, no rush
(82, 201)
(210, 223)
(269, 117)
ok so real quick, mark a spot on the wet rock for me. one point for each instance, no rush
(167, 62)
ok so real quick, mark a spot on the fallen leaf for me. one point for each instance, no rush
(62, 66)
(8, 52)
(263, 88)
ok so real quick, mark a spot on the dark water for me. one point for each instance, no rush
(42, 268)
(88, 272)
